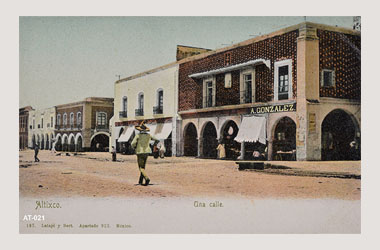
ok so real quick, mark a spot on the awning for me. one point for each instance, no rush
(116, 131)
(231, 68)
(252, 129)
(126, 134)
(163, 130)
(152, 128)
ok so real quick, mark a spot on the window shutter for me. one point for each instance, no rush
(227, 80)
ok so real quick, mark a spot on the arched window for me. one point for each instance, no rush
(59, 119)
(79, 118)
(101, 119)
(140, 104)
(160, 102)
(124, 104)
(42, 122)
(64, 119)
(71, 118)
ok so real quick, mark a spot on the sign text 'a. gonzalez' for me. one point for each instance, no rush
(274, 108)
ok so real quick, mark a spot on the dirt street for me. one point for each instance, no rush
(93, 174)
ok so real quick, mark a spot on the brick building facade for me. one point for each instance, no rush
(84, 125)
(300, 83)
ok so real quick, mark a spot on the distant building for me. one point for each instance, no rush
(151, 96)
(23, 126)
(41, 128)
(293, 94)
(83, 125)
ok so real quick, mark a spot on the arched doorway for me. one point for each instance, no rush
(33, 141)
(209, 141)
(65, 145)
(47, 145)
(79, 144)
(338, 134)
(284, 140)
(72, 144)
(190, 140)
(58, 143)
(42, 144)
(228, 133)
(100, 143)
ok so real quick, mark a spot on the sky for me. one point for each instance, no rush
(66, 59)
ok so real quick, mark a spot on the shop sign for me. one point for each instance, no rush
(274, 108)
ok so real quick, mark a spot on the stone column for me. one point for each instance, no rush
(200, 140)
(307, 91)
(242, 150)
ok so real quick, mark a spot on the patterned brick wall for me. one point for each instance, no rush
(94, 109)
(341, 52)
(275, 49)
(68, 110)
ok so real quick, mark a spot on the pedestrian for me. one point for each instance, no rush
(141, 145)
(221, 150)
(113, 153)
(161, 149)
(36, 149)
(53, 147)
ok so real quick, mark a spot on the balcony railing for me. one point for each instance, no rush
(246, 97)
(123, 114)
(157, 110)
(101, 126)
(139, 112)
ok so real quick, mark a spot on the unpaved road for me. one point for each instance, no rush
(94, 175)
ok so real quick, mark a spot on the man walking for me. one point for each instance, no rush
(141, 145)
(36, 148)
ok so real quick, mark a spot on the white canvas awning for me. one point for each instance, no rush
(163, 130)
(126, 134)
(116, 132)
(152, 128)
(252, 129)
(231, 68)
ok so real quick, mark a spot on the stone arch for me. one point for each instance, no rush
(65, 142)
(190, 136)
(283, 134)
(100, 141)
(340, 136)
(209, 140)
(228, 132)
(58, 142)
(203, 124)
(78, 142)
(47, 141)
(71, 142)
(42, 142)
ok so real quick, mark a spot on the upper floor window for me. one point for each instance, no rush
(79, 118)
(51, 121)
(247, 85)
(283, 80)
(209, 90)
(64, 119)
(42, 122)
(124, 104)
(59, 119)
(34, 124)
(140, 105)
(227, 59)
(160, 102)
(101, 118)
(328, 78)
(71, 118)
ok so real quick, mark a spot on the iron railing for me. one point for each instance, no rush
(123, 114)
(157, 110)
(139, 112)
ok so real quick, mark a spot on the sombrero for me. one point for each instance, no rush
(142, 127)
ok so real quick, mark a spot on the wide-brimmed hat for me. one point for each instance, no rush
(142, 127)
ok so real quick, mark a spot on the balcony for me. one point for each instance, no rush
(139, 112)
(157, 110)
(246, 97)
(123, 114)
(101, 127)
